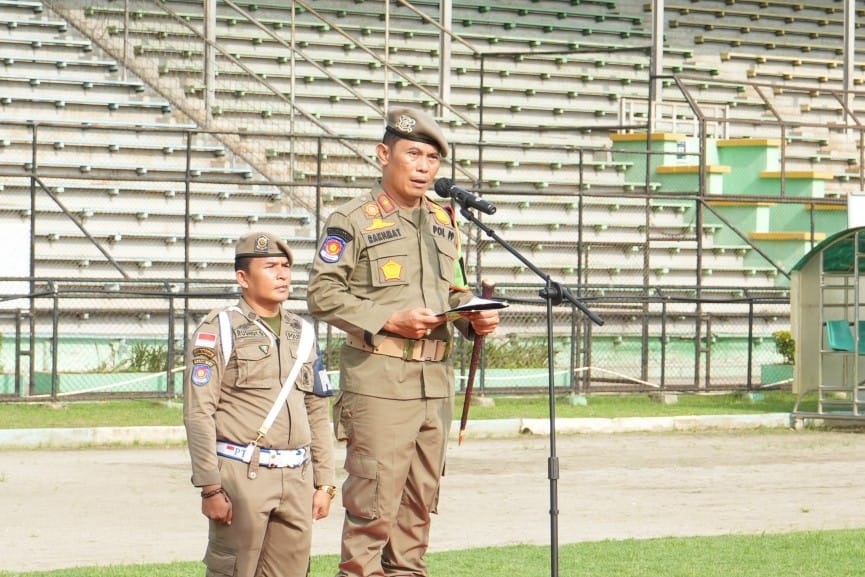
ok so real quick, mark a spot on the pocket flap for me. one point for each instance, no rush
(220, 562)
(252, 351)
(362, 466)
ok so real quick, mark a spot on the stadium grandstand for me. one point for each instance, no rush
(669, 163)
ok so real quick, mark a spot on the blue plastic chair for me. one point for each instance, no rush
(840, 336)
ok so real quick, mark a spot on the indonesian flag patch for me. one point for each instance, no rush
(206, 340)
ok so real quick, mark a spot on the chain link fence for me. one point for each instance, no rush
(109, 271)
(108, 339)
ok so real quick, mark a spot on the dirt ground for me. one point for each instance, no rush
(120, 506)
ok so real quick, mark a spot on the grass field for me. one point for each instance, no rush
(811, 554)
(120, 413)
(804, 554)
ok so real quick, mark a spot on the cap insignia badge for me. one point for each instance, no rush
(405, 123)
(261, 244)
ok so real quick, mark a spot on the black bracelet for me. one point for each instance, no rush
(209, 494)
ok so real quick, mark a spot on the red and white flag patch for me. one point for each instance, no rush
(206, 340)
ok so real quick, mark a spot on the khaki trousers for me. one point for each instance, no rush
(395, 459)
(271, 531)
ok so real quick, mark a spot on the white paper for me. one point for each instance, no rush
(474, 305)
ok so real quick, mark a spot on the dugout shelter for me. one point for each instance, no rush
(827, 298)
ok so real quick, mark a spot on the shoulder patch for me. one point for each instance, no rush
(203, 352)
(205, 339)
(334, 244)
(200, 374)
(340, 233)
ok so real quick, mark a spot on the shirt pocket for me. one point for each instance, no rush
(305, 379)
(254, 368)
(448, 256)
(388, 266)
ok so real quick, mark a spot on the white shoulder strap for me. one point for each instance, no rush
(226, 333)
(226, 336)
(304, 348)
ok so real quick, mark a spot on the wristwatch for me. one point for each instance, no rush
(329, 489)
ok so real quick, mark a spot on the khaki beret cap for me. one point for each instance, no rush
(262, 244)
(416, 125)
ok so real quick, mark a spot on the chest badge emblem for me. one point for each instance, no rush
(392, 270)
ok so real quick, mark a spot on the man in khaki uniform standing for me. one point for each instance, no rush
(256, 414)
(387, 264)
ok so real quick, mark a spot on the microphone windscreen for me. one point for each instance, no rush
(443, 187)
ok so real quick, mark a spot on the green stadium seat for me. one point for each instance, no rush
(840, 337)
(861, 336)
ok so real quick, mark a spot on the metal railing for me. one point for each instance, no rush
(81, 341)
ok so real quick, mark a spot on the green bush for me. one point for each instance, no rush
(516, 352)
(142, 358)
(785, 345)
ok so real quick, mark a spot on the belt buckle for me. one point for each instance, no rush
(248, 453)
(430, 348)
(271, 458)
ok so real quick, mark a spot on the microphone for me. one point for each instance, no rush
(446, 188)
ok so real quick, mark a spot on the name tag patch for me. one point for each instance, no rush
(444, 232)
(378, 237)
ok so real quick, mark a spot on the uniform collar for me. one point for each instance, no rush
(250, 314)
(387, 206)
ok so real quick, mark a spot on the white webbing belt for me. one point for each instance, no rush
(304, 348)
(271, 458)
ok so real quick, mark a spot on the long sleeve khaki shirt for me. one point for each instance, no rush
(228, 399)
(376, 259)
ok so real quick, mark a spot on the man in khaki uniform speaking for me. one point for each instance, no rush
(387, 265)
(256, 404)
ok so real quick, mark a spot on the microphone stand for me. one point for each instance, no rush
(553, 293)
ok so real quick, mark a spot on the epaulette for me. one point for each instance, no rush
(350, 206)
(211, 316)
